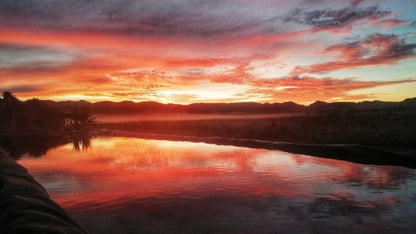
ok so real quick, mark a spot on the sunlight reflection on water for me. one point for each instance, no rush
(127, 185)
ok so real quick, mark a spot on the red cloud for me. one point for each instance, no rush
(374, 50)
(387, 24)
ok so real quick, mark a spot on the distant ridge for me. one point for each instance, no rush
(129, 107)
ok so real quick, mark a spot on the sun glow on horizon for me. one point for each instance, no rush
(296, 51)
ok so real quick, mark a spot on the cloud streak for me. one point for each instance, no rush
(375, 50)
(305, 89)
(329, 18)
(196, 50)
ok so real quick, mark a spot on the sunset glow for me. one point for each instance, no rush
(189, 51)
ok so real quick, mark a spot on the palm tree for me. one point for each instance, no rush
(9, 111)
(80, 118)
(9, 98)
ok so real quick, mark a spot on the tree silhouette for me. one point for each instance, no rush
(9, 98)
(31, 117)
(9, 112)
(80, 118)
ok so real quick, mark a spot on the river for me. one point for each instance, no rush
(132, 185)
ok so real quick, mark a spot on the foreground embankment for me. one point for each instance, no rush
(25, 206)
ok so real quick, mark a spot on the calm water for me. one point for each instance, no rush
(126, 185)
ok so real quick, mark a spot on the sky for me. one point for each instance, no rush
(188, 51)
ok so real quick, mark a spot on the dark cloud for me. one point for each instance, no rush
(170, 18)
(356, 2)
(181, 18)
(214, 19)
(23, 88)
(32, 57)
(17, 47)
(334, 18)
(373, 50)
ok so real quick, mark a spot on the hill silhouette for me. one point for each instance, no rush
(367, 123)
(129, 107)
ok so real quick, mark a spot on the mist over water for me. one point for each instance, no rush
(128, 185)
(184, 117)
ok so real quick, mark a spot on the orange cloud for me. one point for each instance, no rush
(305, 89)
(141, 51)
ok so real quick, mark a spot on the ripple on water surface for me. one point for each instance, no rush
(128, 185)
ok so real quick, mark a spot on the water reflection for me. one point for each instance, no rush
(126, 185)
(39, 146)
(80, 141)
(34, 147)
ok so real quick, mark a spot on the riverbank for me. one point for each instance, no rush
(396, 156)
(372, 129)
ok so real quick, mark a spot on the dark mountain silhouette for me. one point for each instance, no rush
(129, 107)
(368, 122)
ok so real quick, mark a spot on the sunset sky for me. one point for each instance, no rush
(186, 51)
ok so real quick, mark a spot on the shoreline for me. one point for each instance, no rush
(356, 153)
(405, 157)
